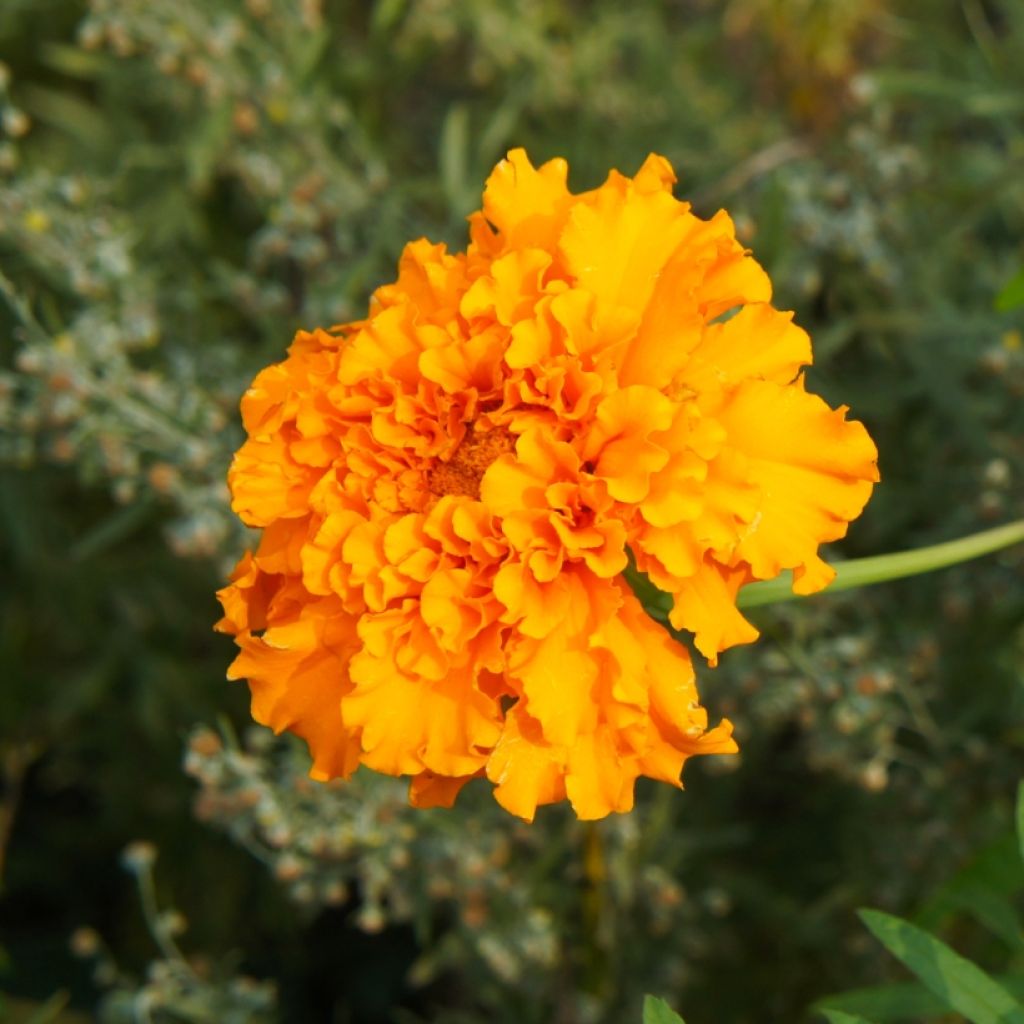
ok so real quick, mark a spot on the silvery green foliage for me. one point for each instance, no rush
(357, 844)
(175, 994)
(177, 988)
(505, 903)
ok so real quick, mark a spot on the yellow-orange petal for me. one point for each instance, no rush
(705, 604)
(429, 278)
(297, 682)
(527, 205)
(267, 483)
(618, 239)
(527, 772)
(557, 676)
(598, 782)
(463, 363)
(409, 725)
(386, 346)
(815, 471)
(417, 708)
(511, 290)
(430, 790)
(321, 557)
(758, 343)
(619, 443)
(534, 607)
(734, 278)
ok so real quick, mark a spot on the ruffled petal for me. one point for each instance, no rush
(758, 343)
(597, 781)
(298, 676)
(620, 445)
(430, 790)
(526, 770)
(527, 205)
(618, 239)
(705, 604)
(815, 471)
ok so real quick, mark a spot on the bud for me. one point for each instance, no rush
(138, 856)
(85, 943)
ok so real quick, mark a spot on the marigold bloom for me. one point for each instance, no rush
(448, 491)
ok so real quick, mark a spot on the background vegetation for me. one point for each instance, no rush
(183, 183)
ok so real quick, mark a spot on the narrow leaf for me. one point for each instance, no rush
(657, 1011)
(996, 873)
(964, 987)
(453, 155)
(903, 1001)
(1020, 819)
(838, 1017)
(1012, 295)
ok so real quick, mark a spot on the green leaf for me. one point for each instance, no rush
(985, 888)
(838, 1017)
(993, 911)
(884, 1002)
(905, 1001)
(1020, 819)
(386, 14)
(73, 60)
(453, 157)
(657, 1011)
(1012, 295)
(70, 114)
(923, 85)
(961, 985)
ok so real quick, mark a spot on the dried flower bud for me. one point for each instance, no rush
(85, 943)
(138, 856)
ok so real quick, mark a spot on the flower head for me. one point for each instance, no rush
(449, 492)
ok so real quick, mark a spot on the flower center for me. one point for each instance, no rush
(463, 471)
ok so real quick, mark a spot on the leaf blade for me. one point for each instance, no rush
(962, 985)
(838, 1017)
(657, 1011)
(1012, 294)
(1020, 818)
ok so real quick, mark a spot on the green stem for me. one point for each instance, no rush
(151, 912)
(862, 572)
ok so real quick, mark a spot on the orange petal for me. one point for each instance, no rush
(619, 237)
(557, 675)
(527, 205)
(619, 442)
(267, 484)
(759, 343)
(430, 790)
(526, 770)
(597, 781)
(409, 723)
(298, 682)
(815, 471)
(705, 604)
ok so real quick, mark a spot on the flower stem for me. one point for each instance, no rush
(862, 572)
(597, 977)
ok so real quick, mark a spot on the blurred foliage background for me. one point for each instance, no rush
(183, 183)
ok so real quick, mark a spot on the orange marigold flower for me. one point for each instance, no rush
(449, 490)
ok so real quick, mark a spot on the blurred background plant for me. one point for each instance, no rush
(182, 185)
